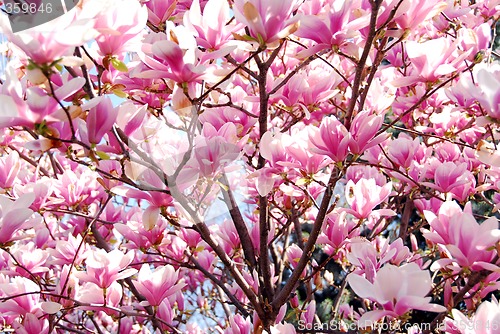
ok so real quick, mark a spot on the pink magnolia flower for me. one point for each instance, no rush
(93, 294)
(265, 180)
(307, 89)
(363, 129)
(166, 313)
(358, 172)
(337, 231)
(268, 21)
(210, 156)
(487, 154)
(463, 91)
(146, 176)
(381, 94)
(467, 242)
(67, 285)
(463, 191)
(282, 328)
(211, 28)
(431, 66)
(331, 139)
(272, 148)
(174, 60)
(9, 167)
(74, 188)
(486, 320)
(68, 251)
(341, 23)
(25, 302)
(38, 107)
(292, 255)
(239, 325)
(228, 131)
(306, 160)
(220, 116)
(489, 93)
(14, 216)
(51, 41)
(476, 39)
(101, 117)
(410, 14)
(368, 257)
(29, 260)
(364, 195)
(158, 284)
(447, 176)
(105, 268)
(307, 316)
(143, 232)
(229, 235)
(120, 25)
(397, 290)
(403, 151)
(32, 324)
(159, 11)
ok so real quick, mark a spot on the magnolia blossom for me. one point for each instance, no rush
(105, 268)
(363, 129)
(419, 12)
(337, 231)
(396, 290)
(158, 284)
(32, 324)
(489, 93)
(166, 164)
(38, 106)
(24, 299)
(486, 320)
(119, 23)
(14, 216)
(367, 257)
(431, 66)
(211, 28)
(267, 21)
(448, 176)
(52, 40)
(364, 195)
(100, 119)
(467, 242)
(239, 325)
(331, 139)
(9, 167)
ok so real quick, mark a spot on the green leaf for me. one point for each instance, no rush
(120, 93)
(119, 65)
(102, 155)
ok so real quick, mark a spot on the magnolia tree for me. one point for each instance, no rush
(252, 166)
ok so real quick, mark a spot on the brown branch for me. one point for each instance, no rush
(239, 224)
(30, 161)
(285, 292)
(206, 235)
(264, 261)
(220, 284)
(474, 279)
(405, 218)
(358, 77)
(87, 87)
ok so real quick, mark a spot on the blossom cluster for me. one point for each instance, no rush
(249, 166)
